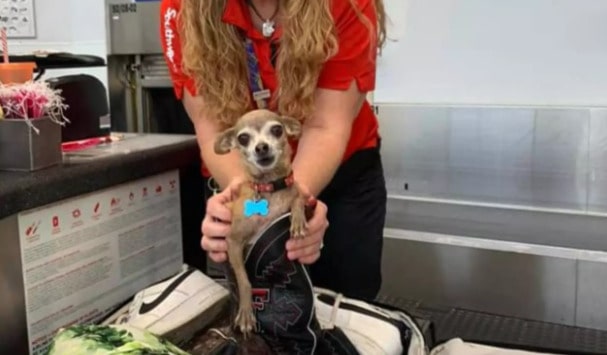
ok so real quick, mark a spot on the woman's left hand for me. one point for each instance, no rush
(307, 250)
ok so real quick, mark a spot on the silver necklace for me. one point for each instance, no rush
(267, 27)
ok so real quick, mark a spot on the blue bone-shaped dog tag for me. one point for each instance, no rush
(259, 207)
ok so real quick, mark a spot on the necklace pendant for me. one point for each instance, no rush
(267, 28)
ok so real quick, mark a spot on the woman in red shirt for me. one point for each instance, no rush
(315, 60)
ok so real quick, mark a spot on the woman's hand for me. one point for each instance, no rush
(216, 223)
(307, 250)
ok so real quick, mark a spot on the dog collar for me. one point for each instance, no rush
(275, 185)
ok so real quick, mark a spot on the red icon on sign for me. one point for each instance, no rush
(173, 183)
(55, 221)
(159, 188)
(131, 196)
(76, 213)
(115, 201)
(145, 191)
(96, 209)
(32, 229)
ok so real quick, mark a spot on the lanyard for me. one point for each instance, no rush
(259, 93)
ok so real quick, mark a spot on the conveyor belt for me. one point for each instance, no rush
(505, 331)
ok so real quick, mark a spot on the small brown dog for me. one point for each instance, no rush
(261, 138)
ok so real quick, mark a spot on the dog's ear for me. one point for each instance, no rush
(225, 141)
(291, 125)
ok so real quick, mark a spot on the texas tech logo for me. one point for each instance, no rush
(261, 297)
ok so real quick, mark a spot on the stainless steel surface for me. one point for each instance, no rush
(135, 62)
(132, 27)
(22, 149)
(514, 284)
(153, 66)
(13, 337)
(154, 83)
(143, 124)
(525, 156)
(131, 92)
(125, 93)
(591, 295)
(121, 90)
(597, 176)
(530, 177)
(136, 65)
(507, 223)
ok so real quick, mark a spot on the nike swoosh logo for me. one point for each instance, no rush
(147, 307)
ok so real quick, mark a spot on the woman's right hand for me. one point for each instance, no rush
(216, 223)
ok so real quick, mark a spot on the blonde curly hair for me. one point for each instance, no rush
(214, 55)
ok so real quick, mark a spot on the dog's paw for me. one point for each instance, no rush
(298, 232)
(299, 227)
(245, 322)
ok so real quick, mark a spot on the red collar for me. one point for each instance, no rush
(275, 185)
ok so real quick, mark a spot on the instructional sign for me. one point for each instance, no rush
(18, 17)
(85, 256)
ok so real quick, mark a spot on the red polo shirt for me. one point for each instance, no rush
(355, 59)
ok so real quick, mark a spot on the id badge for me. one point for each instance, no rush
(261, 95)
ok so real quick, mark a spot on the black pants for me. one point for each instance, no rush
(350, 261)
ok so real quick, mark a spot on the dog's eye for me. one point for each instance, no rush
(243, 139)
(276, 131)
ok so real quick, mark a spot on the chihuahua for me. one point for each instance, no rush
(262, 139)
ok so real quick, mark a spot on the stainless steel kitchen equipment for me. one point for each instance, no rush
(140, 91)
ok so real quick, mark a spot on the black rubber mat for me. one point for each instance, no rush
(507, 332)
(398, 302)
(423, 318)
(413, 307)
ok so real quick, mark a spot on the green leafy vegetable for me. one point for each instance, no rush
(110, 340)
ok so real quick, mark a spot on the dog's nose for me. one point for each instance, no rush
(262, 148)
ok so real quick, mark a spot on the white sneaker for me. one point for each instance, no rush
(176, 308)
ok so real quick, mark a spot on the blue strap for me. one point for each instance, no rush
(259, 93)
